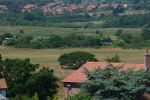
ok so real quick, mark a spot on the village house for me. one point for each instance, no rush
(91, 7)
(54, 8)
(72, 8)
(28, 7)
(73, 82)
(104, 5)
(3, 88)
(3, 8)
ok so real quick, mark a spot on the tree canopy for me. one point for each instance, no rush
(112, 83)
(46, 86)
(75, 59)
(23, 79)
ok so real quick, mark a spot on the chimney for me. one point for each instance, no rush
(147, 60)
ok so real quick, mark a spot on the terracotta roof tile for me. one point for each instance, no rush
(3, 84)
(78, 76)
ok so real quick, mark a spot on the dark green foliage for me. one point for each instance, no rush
(76, 59)
(127, 38)
(80, 96)
(23, 80)
(127, 21)
(23, 41)
(36, 14)
(112, 83)
(146, 33)
(21, 31)
(115, 58)
(6, 35)
(119, 32)
(58, 41)
(43, 83)
(118, 9)
(17, 72)
(99, 32)
(120, 43)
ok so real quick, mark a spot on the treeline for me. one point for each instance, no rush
(55, 41)
(130, 41)
(73, 40)
(127, 21)
(37, 18)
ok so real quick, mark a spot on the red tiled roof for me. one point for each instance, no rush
(3, 84)
(78, 76)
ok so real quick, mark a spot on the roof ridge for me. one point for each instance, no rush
(110, 62)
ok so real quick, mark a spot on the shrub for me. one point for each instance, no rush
(115, 58)
(80, 96)
(119, 32)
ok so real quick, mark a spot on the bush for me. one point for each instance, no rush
(119, 32)
(115, 58)
(80, 96)
(6, 35)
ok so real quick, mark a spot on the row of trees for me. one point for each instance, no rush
(37, 18)
(56, 41)
(127, 20)
(123, 40)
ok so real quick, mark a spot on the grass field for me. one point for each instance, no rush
(44, 31)
(48, 57)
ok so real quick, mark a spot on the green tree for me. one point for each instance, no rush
(120, 43)
(145, 33)
(115, 58)
(112, 83)
(99, 32)
(74, 60)
(17, 72)
(43, 83)
(119, 32)
(128, 38)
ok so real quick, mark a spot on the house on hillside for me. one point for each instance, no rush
(3, 8)
(72, 7)
(28, 7)
(91, 7)
(3, 88)
(73, 82)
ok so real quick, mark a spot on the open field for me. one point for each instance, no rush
(48, 57)
(44, 31)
